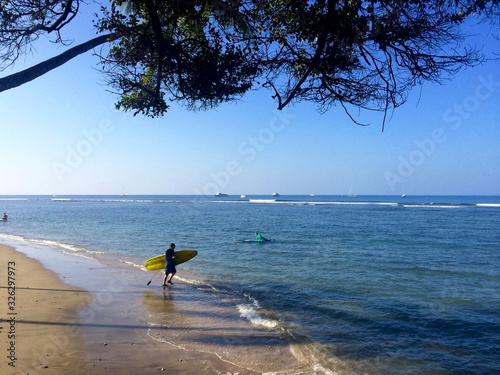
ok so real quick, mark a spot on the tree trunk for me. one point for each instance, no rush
(20, 78)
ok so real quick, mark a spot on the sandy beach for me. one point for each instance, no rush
(40, 324)
(51, 326)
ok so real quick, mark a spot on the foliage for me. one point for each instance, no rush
(368, 54)
(188, 49)
(200, 53)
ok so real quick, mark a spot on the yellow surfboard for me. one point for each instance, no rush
(158, 262)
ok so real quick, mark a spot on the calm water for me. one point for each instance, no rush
(388, 285)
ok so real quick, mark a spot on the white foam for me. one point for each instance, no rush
(393, 204)
(109, 200)
(188, 281)
(65, 248)
(11, 237)
(249, 312)
(431, 206)
(134, 264)
(320, 369)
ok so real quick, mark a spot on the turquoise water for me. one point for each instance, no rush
(388, 285)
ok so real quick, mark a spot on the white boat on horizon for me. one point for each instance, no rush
(276, 195)
(221, 194)
(351, 195)
(243, 196)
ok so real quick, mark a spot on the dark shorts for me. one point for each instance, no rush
(170, 268)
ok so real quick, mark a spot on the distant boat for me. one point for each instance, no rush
(123, 193)
(243, 196)
(221, 194)
(403, 196)
(351, 195)
(276, 195)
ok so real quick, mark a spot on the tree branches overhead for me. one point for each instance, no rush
(200, 53)
(193, 52)
(23, 21)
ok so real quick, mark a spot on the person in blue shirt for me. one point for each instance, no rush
(169, 265)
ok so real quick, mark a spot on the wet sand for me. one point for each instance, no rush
(113, 323)
(39, 318)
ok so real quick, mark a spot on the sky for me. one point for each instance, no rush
(60, 135)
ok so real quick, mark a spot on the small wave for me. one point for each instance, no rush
(393, 204)
(322, 203)
(135, 265)
(118, 200)
(432, 206)
(13, 199)
(12, 237)
(64, 247)
(321, 370)
(190, 281)
(488, 204)
(92, 200)
(262, 200)
(249, 311)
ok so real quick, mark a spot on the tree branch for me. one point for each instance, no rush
(20, 78)
(158, 33)
(316, 58)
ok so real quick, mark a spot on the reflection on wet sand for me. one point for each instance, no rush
(195, 320)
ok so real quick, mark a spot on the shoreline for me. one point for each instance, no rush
(39, 321)
(113, 322)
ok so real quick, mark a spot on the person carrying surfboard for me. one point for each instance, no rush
(169, 265)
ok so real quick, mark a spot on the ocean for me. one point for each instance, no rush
(372, 284)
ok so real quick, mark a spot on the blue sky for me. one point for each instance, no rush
(60, 134)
